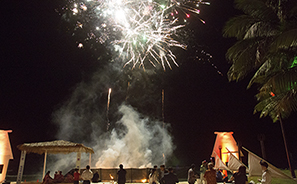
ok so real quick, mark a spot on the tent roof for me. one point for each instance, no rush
(54, 147)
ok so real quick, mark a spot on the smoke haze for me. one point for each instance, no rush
(133, 139)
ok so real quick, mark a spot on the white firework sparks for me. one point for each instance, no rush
(139, 30)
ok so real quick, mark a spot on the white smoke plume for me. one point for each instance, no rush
(140, 143)
(133, 139)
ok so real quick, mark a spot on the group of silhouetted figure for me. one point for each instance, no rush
(162, 176)
(72, 176)
(208, 175)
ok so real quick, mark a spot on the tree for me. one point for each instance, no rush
(267, 48)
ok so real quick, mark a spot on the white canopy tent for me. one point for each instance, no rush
(256, 170)
(254, 167)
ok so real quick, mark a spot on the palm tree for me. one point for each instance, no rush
(267, 47)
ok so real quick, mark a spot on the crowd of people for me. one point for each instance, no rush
(72, 177)
(208, 175)
(163, 176)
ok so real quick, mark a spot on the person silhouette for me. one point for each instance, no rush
(121, 175)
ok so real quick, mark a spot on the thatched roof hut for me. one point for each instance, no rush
(54, 147)
(51, 147)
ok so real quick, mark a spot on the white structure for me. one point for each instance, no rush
(224, 144)
(5, 153)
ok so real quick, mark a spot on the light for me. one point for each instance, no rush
(143, 180)
(5, 152)
(224, 143)
(207, 3)
(294, 63)
(123, 23)
(80, 45)
(75, 11)
(272, 94)
(79, 24)
(120, 16)
(83, 7)
(111, 177)
(144, 38)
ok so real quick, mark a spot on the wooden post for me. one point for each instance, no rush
(78, 157)
(239, 150)
(44, 165)
(261, 138)
(90, 158)
(21, 167)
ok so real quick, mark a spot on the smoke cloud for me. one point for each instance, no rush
(140, 143)
(134, 139)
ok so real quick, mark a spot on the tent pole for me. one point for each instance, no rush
(90, 158)
(78, 157)
(44, 164)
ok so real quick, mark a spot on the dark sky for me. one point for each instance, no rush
(40, 65)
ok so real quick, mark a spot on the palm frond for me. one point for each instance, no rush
(275, 106)
(258, 9)
(281, 82)
(242, 59)
(238, 26)
(291, 8)
(285, 40)
(246, 56)
(261, 75)
(277, 97)
(272, 64)
(261, 29)
(267, 45)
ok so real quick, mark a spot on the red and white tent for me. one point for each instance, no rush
(5, 153)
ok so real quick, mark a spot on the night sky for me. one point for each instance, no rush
(41, 65)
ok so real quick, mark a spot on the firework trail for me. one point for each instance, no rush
(107, 108)
(139, 31)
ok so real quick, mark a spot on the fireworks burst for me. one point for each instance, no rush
(139, 31)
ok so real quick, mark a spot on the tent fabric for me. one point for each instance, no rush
(5, 144)
(5, 153)
(219, 163)
(224, 141)
(256, 170)
(54, 147)
(234, 163)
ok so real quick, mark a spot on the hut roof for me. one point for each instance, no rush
(54, 147)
